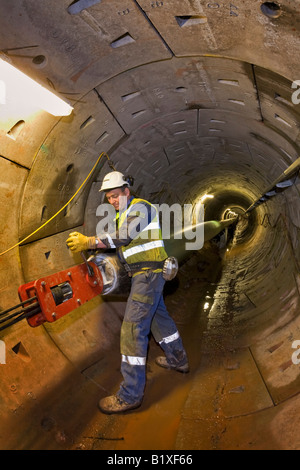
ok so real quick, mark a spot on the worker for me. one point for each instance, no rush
(143, 254)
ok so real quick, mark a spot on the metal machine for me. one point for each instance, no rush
(50, 298)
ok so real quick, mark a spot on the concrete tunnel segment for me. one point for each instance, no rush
(190, 97)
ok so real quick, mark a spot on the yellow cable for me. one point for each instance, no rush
(57, 213)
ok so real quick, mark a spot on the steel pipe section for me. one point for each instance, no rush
(190, 98)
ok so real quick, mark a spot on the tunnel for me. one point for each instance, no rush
(190, 98)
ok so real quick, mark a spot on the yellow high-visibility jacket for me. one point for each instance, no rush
(138, 236)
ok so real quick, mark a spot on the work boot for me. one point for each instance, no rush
(162, 362)
(114, 404)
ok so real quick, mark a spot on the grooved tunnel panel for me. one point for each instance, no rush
(78, 5)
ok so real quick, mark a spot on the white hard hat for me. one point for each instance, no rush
(113, 180)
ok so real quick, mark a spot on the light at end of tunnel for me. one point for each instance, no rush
(16, 86)
(206, 197)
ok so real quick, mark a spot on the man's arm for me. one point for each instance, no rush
(140, 216)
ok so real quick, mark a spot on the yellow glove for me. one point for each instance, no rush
(78, 242)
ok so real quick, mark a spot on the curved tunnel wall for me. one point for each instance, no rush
(189, 97)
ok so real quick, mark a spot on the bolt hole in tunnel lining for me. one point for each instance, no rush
(271, 10)
(39, 61)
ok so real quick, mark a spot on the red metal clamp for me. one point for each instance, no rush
(60, 293)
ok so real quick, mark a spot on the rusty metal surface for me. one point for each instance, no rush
(48, 256)
(12, 187)
(228, 29)
(77, 49)
(34, 377)
(21, 148)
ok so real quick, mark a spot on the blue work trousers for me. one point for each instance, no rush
(146, 312)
